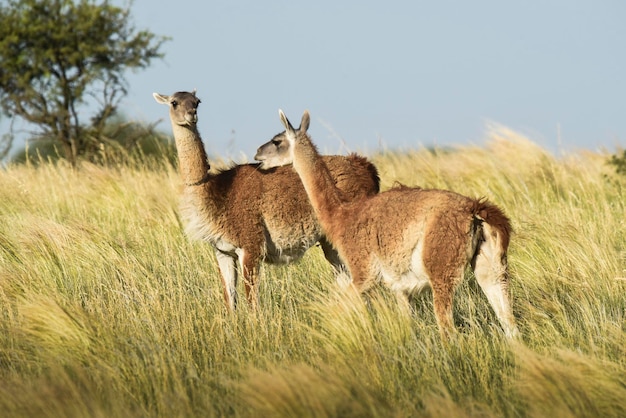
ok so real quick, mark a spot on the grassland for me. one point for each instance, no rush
(107, 310)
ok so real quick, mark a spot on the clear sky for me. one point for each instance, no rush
(398, 74)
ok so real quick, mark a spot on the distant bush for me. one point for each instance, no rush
(122, 142)
(619, 161)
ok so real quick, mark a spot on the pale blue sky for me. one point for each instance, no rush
(393, 73)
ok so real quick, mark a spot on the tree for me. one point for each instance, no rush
(60, 56)
(6, 141)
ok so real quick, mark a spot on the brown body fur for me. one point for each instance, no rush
(250, 215)
(411, 238)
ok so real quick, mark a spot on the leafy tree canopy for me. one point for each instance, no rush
(57, 56)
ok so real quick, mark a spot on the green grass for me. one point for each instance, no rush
(106, 309)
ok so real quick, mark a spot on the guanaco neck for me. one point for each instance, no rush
(192, 158)
(319, 185)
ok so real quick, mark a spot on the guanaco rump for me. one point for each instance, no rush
(250, 215)
(411, 238)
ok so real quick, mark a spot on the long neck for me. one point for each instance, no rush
(320, 187)
(192, 158)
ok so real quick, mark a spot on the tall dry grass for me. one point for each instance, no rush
(106, 309)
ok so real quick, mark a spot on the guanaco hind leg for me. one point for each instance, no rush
(250, 269)
(491, 273)
(228, 272)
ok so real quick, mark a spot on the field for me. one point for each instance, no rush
(107, 310)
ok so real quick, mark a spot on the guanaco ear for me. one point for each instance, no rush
(161, 98)
(285, 121)
(305, 122)
(194, 91)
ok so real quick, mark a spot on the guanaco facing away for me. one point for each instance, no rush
(411, 238)
(249, 215)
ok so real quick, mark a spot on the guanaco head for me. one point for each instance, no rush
(276, 152)
(183, 107)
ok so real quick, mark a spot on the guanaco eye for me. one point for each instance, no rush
(174, 103)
